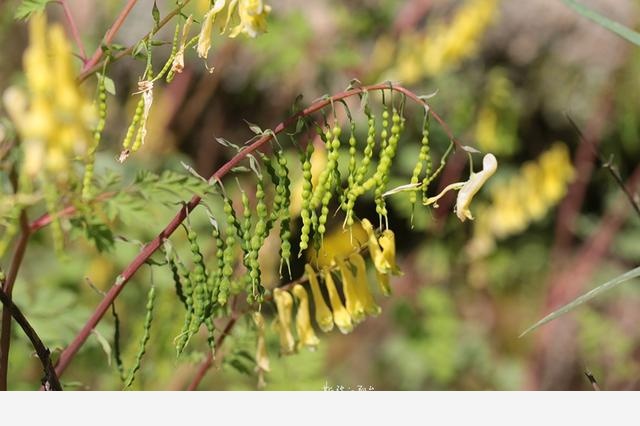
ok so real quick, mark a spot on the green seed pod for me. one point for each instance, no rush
(175, 274)
(137, 116)
(174, 49)
(423, 157)
(228, 253)
(51, 201)
(357, 188)
(145, 337)
(387, 155)
(431, 177)
(97, 135)
(284, 215)
(306, 199)
(211, 340)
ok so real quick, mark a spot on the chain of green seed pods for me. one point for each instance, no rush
(356, 189)
(284, 191)
(187, 290)
(430, 178)
(386, 158)
(254, 288)
(201, 300)
(176, 277)
(423, 157)
(216, 278)
(305, 212)
(323, 193)
(145, 336)
(228, 253)
(174, 49)
(97, 135)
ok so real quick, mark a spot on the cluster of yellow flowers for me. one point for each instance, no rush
(54, 120)
(523, 199)
(358, 300)
(441, 46)
(250, 15)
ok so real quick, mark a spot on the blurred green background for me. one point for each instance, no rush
(550, 225)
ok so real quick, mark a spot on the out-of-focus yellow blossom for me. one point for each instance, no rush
(443, 45)
(284, 303)
(251, 16)
(492, 134)
(340, 315)
(54, 119)
(522, 199)
(324, 317)
(306, 336)
(362, 288)
(262, 358)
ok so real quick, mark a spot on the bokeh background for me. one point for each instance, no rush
(551, 224)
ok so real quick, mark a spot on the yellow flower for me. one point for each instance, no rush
(54, 120)
(340, 315)
(353, 301)
(473, 185)
(362, 288)
(381, 264)
(262, 358)
(306, 335)
(383, 254)
(253, 18)
(204, 39)
(388, 243)
(324, 317)
(284, 303)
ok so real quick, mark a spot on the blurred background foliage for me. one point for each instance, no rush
(549, 226)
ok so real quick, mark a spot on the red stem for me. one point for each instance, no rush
(74, 29)
(109, 35)
(206, 364)
(5, 333)
(67, 355)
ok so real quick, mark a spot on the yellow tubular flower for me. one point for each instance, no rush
(306, 335)
(324, 317)
(383, 282)
(353, 302)
(284, 303)
(262, 358)
(340, 315)
(388, 243)
(362, 288)
(253, 18)
(375, 251)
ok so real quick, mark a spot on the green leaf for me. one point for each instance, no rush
(109, 85)
(95, 231)
(28, 7)
(634, 273)
(616, 27)
(155, 13)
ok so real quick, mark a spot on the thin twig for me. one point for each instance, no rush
(592, 380)
(206, 364)
(607, 165)
(108, 37)
(74, 29)
(50, 380)
(69, 353)
(7, 288)
(94, 63)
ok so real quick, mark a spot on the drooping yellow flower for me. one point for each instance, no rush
(340, 315)
(262, 358)
(284, 303)
(306, 336)
(381, 264)
(388, 243)
(473, 185)
(353, 301)
(362, 288)
(324, 317)
(251, 14)
(54, 119)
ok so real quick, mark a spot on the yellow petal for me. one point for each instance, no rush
(388, 243)
(383, 282)
(284, 303)
(362, 288)
(353, 302)
(379, 261)
(262, 358)
(324, 318)
(340, 315)
(306, 335)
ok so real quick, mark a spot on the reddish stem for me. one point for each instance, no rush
(206, 364)
(5, 333)
(109, 35)
(67, 355)
(47, 218)
(74, 29)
